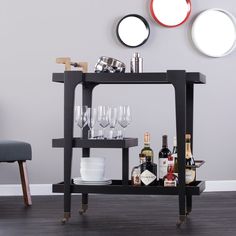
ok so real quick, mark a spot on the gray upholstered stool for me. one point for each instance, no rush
(11, 151)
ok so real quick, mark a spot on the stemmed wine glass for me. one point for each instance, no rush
(81, 117)
(91, 120)
(103, 119)
(124, 118)
(112, 117)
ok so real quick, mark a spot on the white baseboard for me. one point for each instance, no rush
(46, 189)
(220, 186)
(16, 190)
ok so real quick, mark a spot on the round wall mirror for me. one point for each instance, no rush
(214, 32)
(170, 13)
(133, 30)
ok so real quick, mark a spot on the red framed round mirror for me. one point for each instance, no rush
(170, 13)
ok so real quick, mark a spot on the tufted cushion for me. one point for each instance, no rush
(14, 151)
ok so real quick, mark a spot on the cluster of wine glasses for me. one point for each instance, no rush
(101, 118)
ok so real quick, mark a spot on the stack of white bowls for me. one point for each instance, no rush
(92, 168)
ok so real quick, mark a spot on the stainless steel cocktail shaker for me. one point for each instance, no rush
(136, 63)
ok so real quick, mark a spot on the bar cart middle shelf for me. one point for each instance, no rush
(183, 83)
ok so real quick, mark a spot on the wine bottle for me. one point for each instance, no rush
(190, 173)
(147, 151)
(163, 159)
(170, 179)
(148, 172)
(175, 157)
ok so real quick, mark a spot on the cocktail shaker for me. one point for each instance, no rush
(136, 63)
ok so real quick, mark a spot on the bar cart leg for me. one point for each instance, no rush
(179, 81)
(189, 130)
(87, 91)
(189, 203)
(84, 205)
(66, 217)
(189, 111)
(69, 95)
(125, 166)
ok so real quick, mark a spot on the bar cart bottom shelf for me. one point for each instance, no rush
(116, 187)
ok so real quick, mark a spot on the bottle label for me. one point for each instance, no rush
(189, 175)
(147, 177)
(163, 166)
(170, 183)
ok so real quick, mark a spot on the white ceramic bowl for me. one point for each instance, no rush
(93, 160)
(91, 165)
(92, 174)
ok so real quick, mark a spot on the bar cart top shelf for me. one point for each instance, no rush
(129, 78)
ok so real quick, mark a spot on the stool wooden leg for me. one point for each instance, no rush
(25, 183)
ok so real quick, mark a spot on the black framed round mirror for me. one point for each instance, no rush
(133, 30)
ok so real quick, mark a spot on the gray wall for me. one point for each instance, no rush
(34, 33)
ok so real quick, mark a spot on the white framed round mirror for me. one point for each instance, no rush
(170, 13)
(214, 32)
(133, 30)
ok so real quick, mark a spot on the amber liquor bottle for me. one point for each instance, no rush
(148, 171)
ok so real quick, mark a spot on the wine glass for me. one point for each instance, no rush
(81, 117)
(103, 119)
(124, 118)
(91, 119)
(112, 117)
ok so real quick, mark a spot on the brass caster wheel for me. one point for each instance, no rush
(65, 218)
(178, 224)
(83, 209)
(180, 221)
(81, 212)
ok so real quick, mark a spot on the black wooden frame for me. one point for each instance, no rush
(184, 95)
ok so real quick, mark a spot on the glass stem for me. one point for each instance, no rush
(123, 133)
(81, 132)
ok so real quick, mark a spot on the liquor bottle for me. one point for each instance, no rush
(170, 179)
(148, 172)
(163, 159)
(147, 151)
(175, 156)
(135, 176)
(142, 158)
(190, 173)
